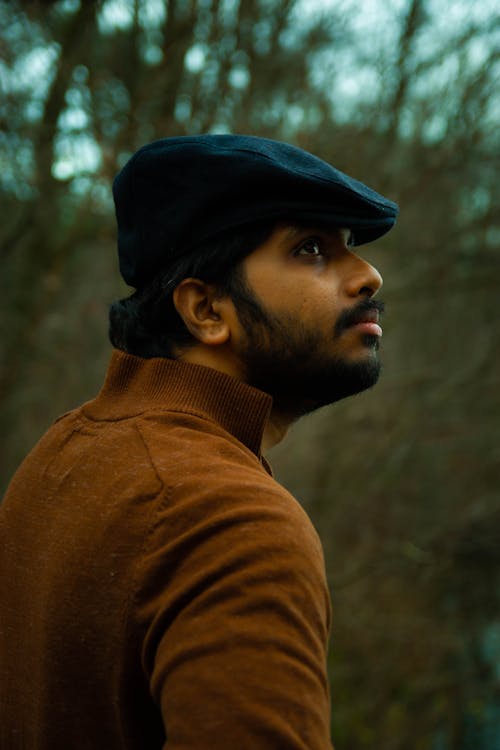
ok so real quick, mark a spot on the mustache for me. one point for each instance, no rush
(356, 314)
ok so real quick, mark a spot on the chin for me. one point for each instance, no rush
(368, 344)
(367, 357)
(342, 379)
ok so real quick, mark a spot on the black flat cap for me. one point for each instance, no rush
(175, 193)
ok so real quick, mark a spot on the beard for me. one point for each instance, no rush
(291, 362)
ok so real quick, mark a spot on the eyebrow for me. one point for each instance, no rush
(296, 230)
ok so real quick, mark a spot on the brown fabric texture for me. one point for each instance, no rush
(158, 588)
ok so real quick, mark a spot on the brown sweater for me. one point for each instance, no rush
(158, 588)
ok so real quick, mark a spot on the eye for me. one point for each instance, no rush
(310, 248)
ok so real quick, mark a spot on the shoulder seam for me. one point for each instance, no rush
(167, 491)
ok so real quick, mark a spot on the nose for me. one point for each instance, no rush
(363, 279)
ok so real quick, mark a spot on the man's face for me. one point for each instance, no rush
(309, 330)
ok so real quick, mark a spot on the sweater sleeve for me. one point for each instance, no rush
(235, 611)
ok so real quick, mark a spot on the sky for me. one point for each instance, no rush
(374, 24)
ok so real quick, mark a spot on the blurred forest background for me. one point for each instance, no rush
(402, 482)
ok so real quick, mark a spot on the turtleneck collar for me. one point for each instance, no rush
(134, 385)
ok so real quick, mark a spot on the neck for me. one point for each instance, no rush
(211, 357)
(278, 423)
(274, 431)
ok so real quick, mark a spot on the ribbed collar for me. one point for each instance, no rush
(134, 385)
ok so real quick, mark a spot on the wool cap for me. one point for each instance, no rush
(175, 193)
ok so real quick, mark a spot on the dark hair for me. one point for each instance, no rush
(148, 325)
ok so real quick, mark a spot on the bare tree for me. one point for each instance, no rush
(402, 482)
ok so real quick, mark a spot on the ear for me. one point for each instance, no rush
(203, 313)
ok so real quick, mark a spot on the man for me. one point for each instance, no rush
(158, 588)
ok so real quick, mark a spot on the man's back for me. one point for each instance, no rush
(157, 585)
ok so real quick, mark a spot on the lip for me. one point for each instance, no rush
(368, 316)
(367, 322)
(368, 326)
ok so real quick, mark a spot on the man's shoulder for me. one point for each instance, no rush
(186, 442)
(210, 478)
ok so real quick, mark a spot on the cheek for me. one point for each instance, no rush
(299, 297)
(318, 307)
(303, 293)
